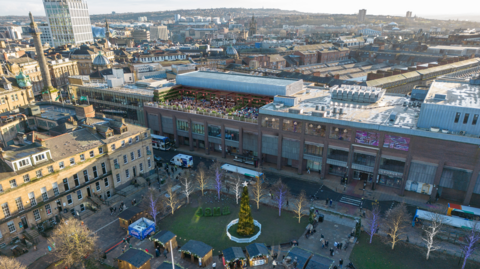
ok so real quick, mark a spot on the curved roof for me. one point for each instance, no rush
(231, 51)
(101, 60)
(393, 23)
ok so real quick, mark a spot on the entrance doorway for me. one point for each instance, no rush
(134, 171)
(360, 175)
(88, 192)
(24, 222)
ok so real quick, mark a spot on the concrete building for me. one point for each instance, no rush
(142, 18)
(69, 21)
(454, 50)
(140, 35)
(29, 67)
(362, 13)
(409, 14)
(367, 31)
(12, 95)
(159, 32)
(11, 32)
(60, 70)
(389, 141)
(46, 36)
(46, 179)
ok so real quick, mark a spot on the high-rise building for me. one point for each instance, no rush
(409, 14)
(142, 18)
(69, 21)
(158, 32)
(46, 36)
(362, 13)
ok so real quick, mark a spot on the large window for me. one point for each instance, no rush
(313, 149)
(33, 201)
(95, 172)
(6, 210)
(85, 176)
(315, 129)
(65, 184)
(337, 154)
(69, 199)
(270, 122)
(392, 165)
(44, 194)
(76, 180)
(364, 159)
(231, 134)
(36, 215)
(55, 189)
(182, 125)
(19, 203)
(340, 133)
(214, 131)
(104, 168)
(292, 126)
(198, 128)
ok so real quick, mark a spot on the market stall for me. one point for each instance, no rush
(197, 252)
(233, 257)
(141, 228)
(130, 215)
(257, 254)
(134, 259)
(164, 239)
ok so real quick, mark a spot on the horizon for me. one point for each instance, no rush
(420, 9)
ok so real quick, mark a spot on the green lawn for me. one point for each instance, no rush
(379, 255)
(212, 230)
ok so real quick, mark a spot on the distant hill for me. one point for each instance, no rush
(469, 17)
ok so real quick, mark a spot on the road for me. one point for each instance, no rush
(295, 185)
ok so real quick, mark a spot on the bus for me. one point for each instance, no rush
(160, 142)
(241, 171)
(422, 215)
(464, 212)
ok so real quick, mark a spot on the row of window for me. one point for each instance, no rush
(466, 118)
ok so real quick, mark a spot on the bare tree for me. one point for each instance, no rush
(397, 220)
(300, 204)
(73, 242)
(281, 192)
(471, 241)
(202, 176)
(436, 223)
(187, 184)
(373, 220)
(172, 199)
(154, 205)
(216, 170)
(237, 183)
(258, 192)
(10, 263)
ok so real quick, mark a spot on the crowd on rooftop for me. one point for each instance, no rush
(220, 106)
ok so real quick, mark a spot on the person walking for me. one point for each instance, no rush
(165, 252)
(326, 201)
(274, 263)
(326, 243)
(157, 252)
(308, 171)
(111, 211)
(331, 251)
(335, 244)
(323, 242)
(340, 263)
(115, 209)
(214, 265)
(331, 202)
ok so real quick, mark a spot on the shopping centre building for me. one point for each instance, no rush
(427, 146)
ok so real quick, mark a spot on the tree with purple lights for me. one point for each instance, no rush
(373, 220)
(217, 172)
(280, 191)
(472, 241)
(153, 205)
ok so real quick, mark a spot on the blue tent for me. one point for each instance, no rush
(141, 228)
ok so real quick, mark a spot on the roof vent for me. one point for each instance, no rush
(435, 129)
(440, 97)
(323, 108)
(318, 114)
(295, 111)
(340, 111)
(334, 110)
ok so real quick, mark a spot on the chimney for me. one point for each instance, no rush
(316, 73)
(336, 76)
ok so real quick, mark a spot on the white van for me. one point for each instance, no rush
(182, 160)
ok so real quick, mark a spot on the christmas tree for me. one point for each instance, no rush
(245, 219)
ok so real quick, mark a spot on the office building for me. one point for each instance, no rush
(409, 14)
(142, 18)
(140, 35)
(45, 178)
(46, 36)
(11, 32)
(392, 142)
(69, 21)
(362, 13)
(159, 32)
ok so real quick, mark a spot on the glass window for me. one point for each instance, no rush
(392, 165)
(113, 146)
(92, 154)
(390, 181)
(132, 156)
(33, 201)
(214, 131)
(465, 118)
(76, 180)
(139, 153)
(145, 135)
(13, 183)
(104, 169)
(65, 184)
(270, 122)
(79, 195)
(26, 178)
(125, 160)
(457, 117)
(364, 159)
(315, 129)
(95, 172)
(11, 227)
(69, 199)
(82, 208)
(6, 210)
(232, 134)
(44, 194)
(36, 215)
(61, 165)
(127, 173)
(149, 163)
(130, 141)
(337, 154)
(106, 182)
(118, 178)
(313, 149)
(19, 203)
(72, 161)
(292, 126)
(97, 185)
(39, 157)
(182, 125)
(100, 150)
(123, 143)
(48, 209)
(340, 133)
(55, 189)
(198, 128)
(475, 119)
(82, 157)
(137, 138)
(141, 167)
(50, 169)
(39, 173)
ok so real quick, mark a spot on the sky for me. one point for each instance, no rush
(375, 7)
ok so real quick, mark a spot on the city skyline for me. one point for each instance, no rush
(372, 7)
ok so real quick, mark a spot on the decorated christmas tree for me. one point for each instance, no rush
(245, 219)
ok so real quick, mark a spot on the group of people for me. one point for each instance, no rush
(218, 106)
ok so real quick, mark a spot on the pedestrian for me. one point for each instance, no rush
(214, 265)
(331, 202)
(274, 263)
(331, 251)
(165, 252)
(335, 245)
(321, 236)
(295, 262)
(287, 202)
(326, 201)
(340, 263)
(135, 202)
(115, 209)
(340, 246)
(124, 240)
(111, 211)
(326, 243)
(308, 171)
(157, 252)
(437, 196)
(323, 242)
(132, 202)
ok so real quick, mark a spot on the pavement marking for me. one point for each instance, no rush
(104, 227)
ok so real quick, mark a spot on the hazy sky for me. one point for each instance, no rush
(418, 7)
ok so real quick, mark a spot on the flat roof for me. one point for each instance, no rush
(455, 93)
(237, 78)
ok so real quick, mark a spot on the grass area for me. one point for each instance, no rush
(212, 230)
(379, 255)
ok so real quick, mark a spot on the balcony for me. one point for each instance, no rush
(205, 112)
